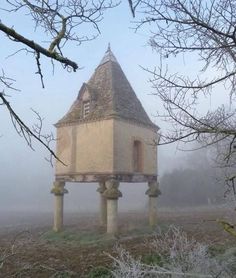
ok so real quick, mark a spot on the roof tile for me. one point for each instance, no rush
(111, 95)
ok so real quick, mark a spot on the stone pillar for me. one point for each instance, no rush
(112, 194)
(153, 192)
(58, 190)
(103, 204)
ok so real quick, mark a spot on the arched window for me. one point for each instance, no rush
(137, 156)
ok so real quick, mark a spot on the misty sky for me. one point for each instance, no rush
(26, 178)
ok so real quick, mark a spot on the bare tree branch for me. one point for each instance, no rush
(36, 47)
(205, 30)
(24, 131)
(61, 21)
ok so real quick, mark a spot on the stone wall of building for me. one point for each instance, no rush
(64, 149)
(105, 147)
(86, 148)
(125, 133)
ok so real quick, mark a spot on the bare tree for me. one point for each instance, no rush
(62, 21)
(206, 30)
(203, 31)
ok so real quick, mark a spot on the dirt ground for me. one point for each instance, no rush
(29, 248)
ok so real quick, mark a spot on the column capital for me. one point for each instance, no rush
(153, 190)
(101, 188)
(58, 188)
(112, 191)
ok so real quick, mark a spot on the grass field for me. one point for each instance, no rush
(31, 249)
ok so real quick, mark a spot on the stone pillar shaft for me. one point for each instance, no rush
(103, 210)
(103, 204)
(112, 194)
(58, 213)
(112, 217)
(58, 190)
(153, 192)
(152, 211)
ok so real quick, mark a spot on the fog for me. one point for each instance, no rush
(26, 180)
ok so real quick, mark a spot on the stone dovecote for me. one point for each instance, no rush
(107, 137)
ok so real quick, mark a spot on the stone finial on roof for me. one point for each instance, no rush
(109, 56)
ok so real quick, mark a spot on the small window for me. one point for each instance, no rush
(86, 108)
(137, 156)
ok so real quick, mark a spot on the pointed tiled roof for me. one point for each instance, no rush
(110, 95)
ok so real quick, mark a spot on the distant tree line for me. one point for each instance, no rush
(190, 187)
(197, 182)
